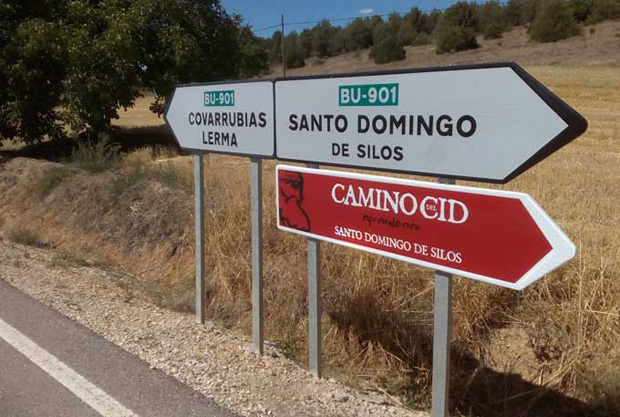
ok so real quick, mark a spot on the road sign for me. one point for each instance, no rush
(499, 237)
(233, 118)
(484, 122)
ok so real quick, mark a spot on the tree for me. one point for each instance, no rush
(456, 30)
(253, 55)
(554, 21)
(604, 10)
(294, 52)
(374, 22)
(514, 12)
(493, 21)
(32, 75)
(323, 36)
(406, 33)
(433, 21)
(305, 39)
(422, 22)
(580, 9)
(386, 46)
(357, 35)
(530, 9)
(71, 64)
(275, 48)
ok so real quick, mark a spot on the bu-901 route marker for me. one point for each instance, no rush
(483, 122)
(498, 237)
(233, 118)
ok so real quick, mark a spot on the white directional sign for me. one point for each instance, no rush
(488, 122)
(234, 118)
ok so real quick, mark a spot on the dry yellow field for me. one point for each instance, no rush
(551, 350)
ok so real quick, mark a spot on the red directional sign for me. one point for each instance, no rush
(499, 237)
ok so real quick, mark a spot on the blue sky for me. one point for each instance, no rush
(263, 13)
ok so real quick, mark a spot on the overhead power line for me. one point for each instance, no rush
(340, 19)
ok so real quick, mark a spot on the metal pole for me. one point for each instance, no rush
(257, 253)
(282, 45)
(442, 333)
(199, 232)
(314, 304)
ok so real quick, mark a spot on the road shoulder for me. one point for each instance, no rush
(218, 364)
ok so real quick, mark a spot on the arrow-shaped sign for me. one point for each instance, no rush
(233, 117)
(483, 122)
(500, 237)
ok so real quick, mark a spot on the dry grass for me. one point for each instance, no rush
(553, 349)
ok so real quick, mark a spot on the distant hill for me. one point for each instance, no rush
(599, 46)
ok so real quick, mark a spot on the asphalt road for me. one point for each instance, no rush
(52, 366)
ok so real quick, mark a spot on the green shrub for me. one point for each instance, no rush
(514, 12)
(421, 40)
(457, 28)
(406, 33)
(24, 236)
(97, 156)
(455, 39)
(553, 22)
(387, 47)
(50, 180)
(580, 9)
(493, 31)
(294, 51)
(604, 10)
(493, 21)
(323, 39)
(357, 35)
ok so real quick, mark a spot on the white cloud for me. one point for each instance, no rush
(366, 10)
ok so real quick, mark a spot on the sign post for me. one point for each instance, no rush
(257, 253)
(314, 304)
(442, 335)
(235, 118)
(199, 232)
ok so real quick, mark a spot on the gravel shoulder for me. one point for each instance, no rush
(210, 359)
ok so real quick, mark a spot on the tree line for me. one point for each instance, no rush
(455, 29)
(68, 66)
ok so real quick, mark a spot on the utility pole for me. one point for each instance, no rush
(283, 64)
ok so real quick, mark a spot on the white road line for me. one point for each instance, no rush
(95, 397)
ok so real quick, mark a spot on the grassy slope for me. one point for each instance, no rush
(550, 350)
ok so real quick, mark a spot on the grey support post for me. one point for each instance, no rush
(442, 333)
(257, 253)
(314, 303)
(199, 231)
